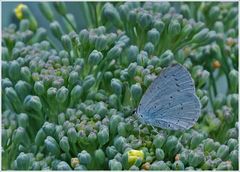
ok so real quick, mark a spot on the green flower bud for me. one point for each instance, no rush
(216, 162)
(111, 152)
(103, 136)
(159, 140)
(233, 77)
(149, 48)
(92, 138)
(63, 166)
(13, 98)
(84, 158)
(159, 165)
(46, 11)
(49, 128)
(132, 69)
(40, 34)
(114, 52)
(25, 74)
(101, 42)
(174, 28)
(64, 144)
(186, 31)
(203, 77)
(159, 25)
(23, 161)
(14, 70)
(232, 101)
(62, 95)
(116, 86)
(178, 165)
(88, 82)
(119, 143)
(80, 167)
(113, 101)
(24, 25)
(154, 61)
(23, 120)
(183, 156)
(73, 78)
(99, 156)
(113, 124)
(219, 27)
(111, 14)
(84, 36)
(142, 59)
(153, 36)
(233, 157)
(56, 29)
(60, 7)
(226, 165)
(39, 88)
(136, 92)
(207, 165)
(23, 89)
(232, 143)
(95, 57)
(145, 21)
(201, 36)
(170, 144)
(40, 137)
(195, 158)
(114, 165)
(185, 10)
(208, 145)
(196, 140)
(223, 152)
(76, 94)
(166, 58)
(66, 42)
(72, 135)
(28, 15)
(6, 83)
(19, 135)
(52, 146)
(132, 53)
(232, 133)
(122, 131)
(214, 13)
(159, 154)
(134, 167)
(5, 68)
(32, 103)
(36, 166)
(132, 17)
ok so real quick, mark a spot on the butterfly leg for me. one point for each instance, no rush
(154, 129)
(139, 128)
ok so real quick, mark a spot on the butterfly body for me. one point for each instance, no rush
(170, 101)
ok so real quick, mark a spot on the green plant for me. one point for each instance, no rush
(68, 102)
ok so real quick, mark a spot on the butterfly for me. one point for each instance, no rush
(170, 101)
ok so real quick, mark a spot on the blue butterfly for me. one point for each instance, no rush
(170, 101)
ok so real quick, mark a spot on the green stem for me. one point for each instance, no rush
(87, 14)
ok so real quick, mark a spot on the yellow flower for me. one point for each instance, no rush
(18, 11)
(134, 155)
(74, 162)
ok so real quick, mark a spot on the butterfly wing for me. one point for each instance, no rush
(176, 111)
(170, 101)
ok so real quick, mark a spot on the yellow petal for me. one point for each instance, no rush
(18, 11)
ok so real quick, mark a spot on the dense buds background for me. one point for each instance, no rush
(68, 95)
